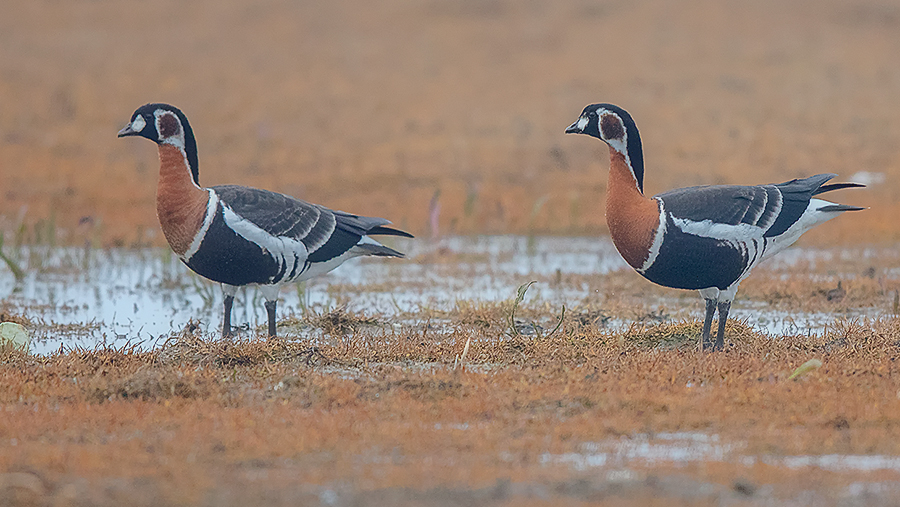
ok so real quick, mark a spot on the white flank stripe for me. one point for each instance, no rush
(281, 248)
(748, 239)
(723, 232)
(211, 206)
(751, 237)
(657, 240)
(287, 259)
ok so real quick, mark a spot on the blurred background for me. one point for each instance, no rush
(445, 116)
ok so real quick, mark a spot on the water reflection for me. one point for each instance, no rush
(77, 297)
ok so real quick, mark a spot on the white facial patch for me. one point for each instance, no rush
(582, 122)
(138, 124)
(168, 126)
(621, 146)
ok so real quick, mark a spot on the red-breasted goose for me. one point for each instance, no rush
(238, 235)
(706, 238)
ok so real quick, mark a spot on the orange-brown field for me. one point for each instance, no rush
(388, 420)
(447, 117)
(376, 107)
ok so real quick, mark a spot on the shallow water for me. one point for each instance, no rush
(683, 449)
(84, 298)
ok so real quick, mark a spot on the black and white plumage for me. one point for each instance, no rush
(706, 238)
(239, 235)
(275, 239)
(734, 227)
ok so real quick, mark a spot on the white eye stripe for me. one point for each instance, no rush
(138, 124)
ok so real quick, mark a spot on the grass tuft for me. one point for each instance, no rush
(684, 335)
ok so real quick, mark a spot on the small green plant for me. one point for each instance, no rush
(511, 318)
(803, 369)
(535, 211)
(574, 210)
(303, 296)
(21, 232)
(470, 205)
(10, 263)
(204, 289)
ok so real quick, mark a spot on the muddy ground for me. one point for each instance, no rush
(447, 117)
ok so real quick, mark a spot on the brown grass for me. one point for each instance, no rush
(378, 107)
(209, 421)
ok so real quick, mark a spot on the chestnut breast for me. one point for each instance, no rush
(180, 204)
(633, 219)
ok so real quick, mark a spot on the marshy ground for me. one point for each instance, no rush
(411, 383)
(382, 392)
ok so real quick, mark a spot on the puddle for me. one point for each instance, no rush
(682, 449)
(119, 296)
(677, 448)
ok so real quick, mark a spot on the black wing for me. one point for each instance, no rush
(325, 233)
(725, 204)
(796, 195)
(774, 208)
